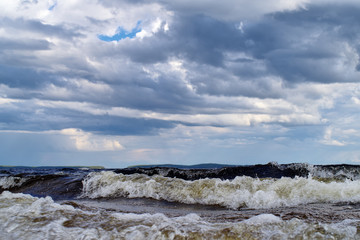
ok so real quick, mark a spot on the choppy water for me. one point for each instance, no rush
(293, 201)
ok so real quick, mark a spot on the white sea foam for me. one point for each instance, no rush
(337, 172)
(25, 217)
(10, 181)
(239, 192)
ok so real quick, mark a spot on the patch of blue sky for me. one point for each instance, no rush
(121, 33)
(52, 6)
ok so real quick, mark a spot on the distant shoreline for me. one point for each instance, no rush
(90, 167)
(196, 166)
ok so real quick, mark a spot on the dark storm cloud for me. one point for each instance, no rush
(105, 124)
(332, 15)
(296, 46)
(197, 38)
(28, 44)
(221, 83)
(153, 50)
(125, 126)
(27, 118)
(162, 97)
(23, 77)
(204, 40)
(308, 44)
(37, 26)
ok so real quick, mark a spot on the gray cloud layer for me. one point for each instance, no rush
(196, 66)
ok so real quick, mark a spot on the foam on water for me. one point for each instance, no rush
(25, 217)
(239, 192)
(10, 181)
(335, 171)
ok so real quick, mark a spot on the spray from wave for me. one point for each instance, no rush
(237, 193)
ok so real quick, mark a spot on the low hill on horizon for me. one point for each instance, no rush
(196, 166)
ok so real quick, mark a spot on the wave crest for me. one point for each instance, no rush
(237, 193)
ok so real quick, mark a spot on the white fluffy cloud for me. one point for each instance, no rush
(90, 142)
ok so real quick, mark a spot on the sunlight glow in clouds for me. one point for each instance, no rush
(89, 142)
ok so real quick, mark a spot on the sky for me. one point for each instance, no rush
(119, 83)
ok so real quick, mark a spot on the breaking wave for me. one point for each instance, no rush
(233, 187)
(270, 170)
(236, 193)
(11, 182)
(25, 217)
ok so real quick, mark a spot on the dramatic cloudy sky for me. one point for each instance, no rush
(118, 83)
